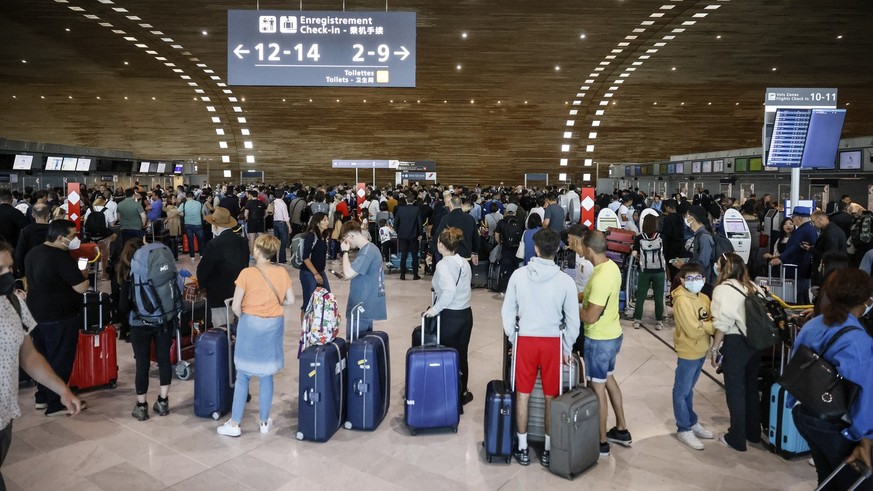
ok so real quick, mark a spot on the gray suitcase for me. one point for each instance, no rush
(536, 419)
(575, 432)
(781, 286)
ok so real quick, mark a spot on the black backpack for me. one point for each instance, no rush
(721, 245)
(95, 225)
(512, 231)
(258, 211)
(762, 327)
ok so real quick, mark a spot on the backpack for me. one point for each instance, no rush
(762, 327)
(258, 211)
(305, 214)
(651, 253)
(321, 321)
(862, 229)
(721, 245)
(154, 286)
(95, 225)
(292, 208)
(297, 251)
(513, 232)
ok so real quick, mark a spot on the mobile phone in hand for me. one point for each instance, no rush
(337, 274)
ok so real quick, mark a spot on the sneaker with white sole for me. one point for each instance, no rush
(266, 425)
(659, 325)
(227, 429)
(637, 325)
(701, 432)
(688, 438)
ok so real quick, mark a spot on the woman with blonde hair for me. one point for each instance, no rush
(262, 292)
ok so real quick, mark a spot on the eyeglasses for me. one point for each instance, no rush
(694, 277)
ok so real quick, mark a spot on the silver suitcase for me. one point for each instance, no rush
(781, 286)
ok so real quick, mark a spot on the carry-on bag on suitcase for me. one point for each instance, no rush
(320, 401)
(96, 361)
(499, 420)
(213, 385)
(784, 438)
(432, 387)
(369, 378)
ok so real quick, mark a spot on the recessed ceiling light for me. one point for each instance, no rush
(708, 103)
(42, 97)
(674, 69)
(310, 100)
(337, 100)
(126, 63)
(445, 102)
(525, 102)
(391, 101)
(69, 97)
(557, 68)
(654, 103)
(499, 102)
(847, 103)
(24, 61)
(840, 36)
(243, 99)
(154, 99)
(472, 101)
(458, 67)
(125, 97)
(613, 103)
(774, 69)
(67, 29)
(682, 104)
(14, 97)
(205, 33)
(418, 101)
(737, 104)
(718, 37)
(98, 97)
(464, 35)
(581, 36)
(283, 100)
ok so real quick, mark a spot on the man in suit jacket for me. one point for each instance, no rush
(407, 224)
(223, 258)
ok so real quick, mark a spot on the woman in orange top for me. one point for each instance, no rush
(262, 292)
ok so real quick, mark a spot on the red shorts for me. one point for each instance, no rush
(543, 353)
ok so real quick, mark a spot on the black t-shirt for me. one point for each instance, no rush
(315, 251)
(257, 210)
(51, 275)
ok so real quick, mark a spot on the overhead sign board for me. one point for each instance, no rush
(799, 98)
(320, 48)
(418, 176)
(418, 165)
(363, 164)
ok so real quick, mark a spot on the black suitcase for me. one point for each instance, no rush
(480, 275)
(499, 420)
(96, 312)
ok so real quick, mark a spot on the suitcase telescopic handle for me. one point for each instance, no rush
(859, 467)
(424, 324)
(227, 305)
(355, 331)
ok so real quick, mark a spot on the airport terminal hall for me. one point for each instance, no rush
(449, 244)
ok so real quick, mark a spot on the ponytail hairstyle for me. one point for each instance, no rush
(844, 290)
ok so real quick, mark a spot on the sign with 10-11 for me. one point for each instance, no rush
(321, 49)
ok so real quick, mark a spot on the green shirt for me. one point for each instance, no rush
(129, 214)
(603, 289)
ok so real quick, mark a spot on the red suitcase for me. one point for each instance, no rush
(96, 362)
(620, 247)
(185, 244)
(620, 235)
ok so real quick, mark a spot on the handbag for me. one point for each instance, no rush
(814, 381)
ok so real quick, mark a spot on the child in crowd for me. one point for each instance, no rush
(387, 240)
(692, 339)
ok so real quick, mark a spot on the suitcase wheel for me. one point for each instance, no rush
(113, 384)
(455, 429)
(183, 370)
(300, 435)
(412, 431)
(347, 425)
(508, 459)
(216, 415)
(489, 459)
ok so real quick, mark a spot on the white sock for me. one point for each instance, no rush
(548, 443)
(522, 441)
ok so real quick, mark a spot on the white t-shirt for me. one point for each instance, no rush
(614, 206)
(622, 210)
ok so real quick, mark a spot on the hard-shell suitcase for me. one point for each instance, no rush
(480, 275)
(320, 404)
(536, 415)
(213, 385)
(617, 257)
(620, 247)
(369, 378)
(783, 286)
(96, 361)
(614, 234)
(499, 420)
(784, 438)
(574, 432)
(432, 387)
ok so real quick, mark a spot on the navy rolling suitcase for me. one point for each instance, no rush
(369, 384)
(320, 406)
(432, 387)
(213, 383)
(499, 420)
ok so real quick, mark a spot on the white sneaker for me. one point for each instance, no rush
(637, 325)
(227, 429)
(688, 438)
(811, 462)
(659, 325)
(701, 432)
(266, 425)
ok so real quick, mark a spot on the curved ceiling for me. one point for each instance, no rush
(497, 83)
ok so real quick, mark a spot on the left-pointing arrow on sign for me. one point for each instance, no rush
(402, 54)
(240, 52)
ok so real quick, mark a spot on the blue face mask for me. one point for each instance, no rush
(694, 286)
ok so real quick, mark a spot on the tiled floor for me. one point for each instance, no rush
(104, 448)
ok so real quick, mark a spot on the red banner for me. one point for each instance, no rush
(587, 207)
(74, 204)
(361, 193)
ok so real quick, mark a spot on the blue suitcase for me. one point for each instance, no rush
(320, 406)
(499, 420)
(432, 387)
(369, 386)
(213, 383)
(784, 438)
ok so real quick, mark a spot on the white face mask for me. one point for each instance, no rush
(694, 286)
(74, 244)
(715, 269)
(687, 223)
(867, 309)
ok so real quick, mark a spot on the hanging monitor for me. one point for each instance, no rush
(144, 167)
(69, 163)
(823, 138)
(850, 160)
(22, 162)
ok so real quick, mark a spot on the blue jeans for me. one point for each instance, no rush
(600, 355)
(308, 284)
(687, 373)
(241, 393)
(192, 231)
(280, 230)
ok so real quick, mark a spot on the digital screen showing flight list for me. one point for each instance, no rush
(320, 48)
(789, 137)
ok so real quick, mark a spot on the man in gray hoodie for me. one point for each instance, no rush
(544, 301)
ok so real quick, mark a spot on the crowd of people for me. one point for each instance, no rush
(245, 234)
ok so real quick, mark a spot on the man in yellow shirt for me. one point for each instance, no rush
(603, 335)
